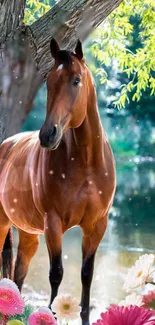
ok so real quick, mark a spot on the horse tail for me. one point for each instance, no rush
(7, 256)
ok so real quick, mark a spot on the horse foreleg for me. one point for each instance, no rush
(6, 256)
(5, 253)
(90, 244)
(28, 244)
(53, 236)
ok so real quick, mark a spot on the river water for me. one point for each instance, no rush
(130, 233)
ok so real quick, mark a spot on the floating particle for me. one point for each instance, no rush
(97, 277)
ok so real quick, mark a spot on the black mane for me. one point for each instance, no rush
(65, 57)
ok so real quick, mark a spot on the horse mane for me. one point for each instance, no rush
(65, 57)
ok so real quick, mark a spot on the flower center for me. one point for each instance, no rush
(4, 296)
(139, 274)
(66, 306)
(41, 321)
(152, 304)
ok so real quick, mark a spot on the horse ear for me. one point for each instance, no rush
(54, 47)
(78, 50)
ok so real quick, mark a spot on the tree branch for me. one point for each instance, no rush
(67, 21)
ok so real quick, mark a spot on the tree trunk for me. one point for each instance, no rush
(19, 79)
(25, 59)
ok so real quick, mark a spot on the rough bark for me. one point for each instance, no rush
(11, 12)
(25, 58)
(20, 81)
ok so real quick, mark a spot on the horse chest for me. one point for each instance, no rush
(75, 196)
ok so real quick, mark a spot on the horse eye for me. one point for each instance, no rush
(76, 81)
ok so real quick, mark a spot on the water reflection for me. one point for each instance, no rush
(130, 233)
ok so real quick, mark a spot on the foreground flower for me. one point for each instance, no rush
(149, 299)
(140, 273)
(133, 299)
(131, 315)
(66, 307)
(43, 316)
(11, 302)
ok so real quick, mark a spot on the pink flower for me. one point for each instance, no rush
(149, 299)
(132, 315)
(42, 317)
(11, 302)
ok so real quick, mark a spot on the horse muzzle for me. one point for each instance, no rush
(50, 137)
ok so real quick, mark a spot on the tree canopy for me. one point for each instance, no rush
(113, 45)
(35, 9)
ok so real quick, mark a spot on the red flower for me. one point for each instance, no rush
(132, 315)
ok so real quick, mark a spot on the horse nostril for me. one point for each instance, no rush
(53, 133)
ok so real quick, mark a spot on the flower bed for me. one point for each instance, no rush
(137, 308)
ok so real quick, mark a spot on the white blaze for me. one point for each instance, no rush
(60, 67)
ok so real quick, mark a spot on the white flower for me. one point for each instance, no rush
(66, 307)
(140, 273)
(133, 299)
(151, 277)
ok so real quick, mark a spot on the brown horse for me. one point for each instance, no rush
(65, 179)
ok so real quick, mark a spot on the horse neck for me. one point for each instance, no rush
(88, 137)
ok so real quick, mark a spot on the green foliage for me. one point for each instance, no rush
(112, 46)
(35, 9)
(24, 317)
